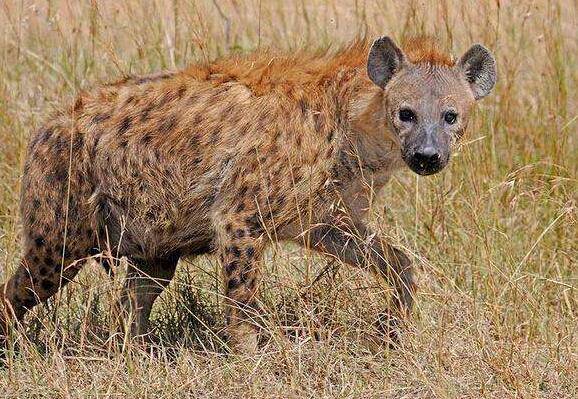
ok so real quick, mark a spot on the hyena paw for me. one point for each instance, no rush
(243, 339)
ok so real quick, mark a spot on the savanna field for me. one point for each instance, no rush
(493, 237)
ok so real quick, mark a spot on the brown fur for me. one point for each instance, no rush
(424, 49)
(217, 158)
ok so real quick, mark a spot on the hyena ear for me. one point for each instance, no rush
(384, 60)
(479, 66)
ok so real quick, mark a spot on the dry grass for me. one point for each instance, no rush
(493, 237)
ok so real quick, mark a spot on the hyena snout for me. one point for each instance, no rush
(427, 155)
(426, 160)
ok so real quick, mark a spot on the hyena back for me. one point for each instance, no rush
(226, 157)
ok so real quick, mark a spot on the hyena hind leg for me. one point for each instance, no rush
(145, 281)
(43, 271)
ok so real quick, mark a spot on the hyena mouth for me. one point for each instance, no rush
(425, 164)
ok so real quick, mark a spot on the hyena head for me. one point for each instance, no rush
(426, 103)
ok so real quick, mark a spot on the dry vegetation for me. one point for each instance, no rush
(493, 237)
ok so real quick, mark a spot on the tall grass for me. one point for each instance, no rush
(493, 237)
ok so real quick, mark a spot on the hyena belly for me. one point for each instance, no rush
(155, 212)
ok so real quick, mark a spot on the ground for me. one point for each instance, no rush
(493, 236)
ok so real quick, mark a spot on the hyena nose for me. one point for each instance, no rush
(427, 159)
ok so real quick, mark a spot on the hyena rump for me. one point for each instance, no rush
(227, 156)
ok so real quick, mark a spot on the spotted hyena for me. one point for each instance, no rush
(225, 157)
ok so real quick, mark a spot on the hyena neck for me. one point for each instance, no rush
(374, 146)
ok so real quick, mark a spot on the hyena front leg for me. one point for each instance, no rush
(240, 248)
(353, 244)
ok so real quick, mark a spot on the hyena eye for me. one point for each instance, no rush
(406, 115)
(450, 117)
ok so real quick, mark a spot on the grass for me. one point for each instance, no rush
(493, 237)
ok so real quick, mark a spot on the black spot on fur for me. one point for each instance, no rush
(168, 97)
(61, 173)
(233, 283)
(95, 146)
(194, 141)
(31, 218)
(279, 201)
(144, 115)
(241, 207)
(197, 120)
(78, 142)
(100, 117)
(78, 105)
(43, 271)
(57, 209)
(235, 251)
(59, 145)
(319, 120)
(193, 97)
(215, 135)
(146, 139)
(29, 301)
(47, 285)
(48, 261)
(61, 251)
(250, 252)
(245, 275)
(254, 221)
(277, 135)
(168, 124)
(239, 233)
(303, 106)
(125, 125)
(45, 135)
(39, 241)
(231, 266)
